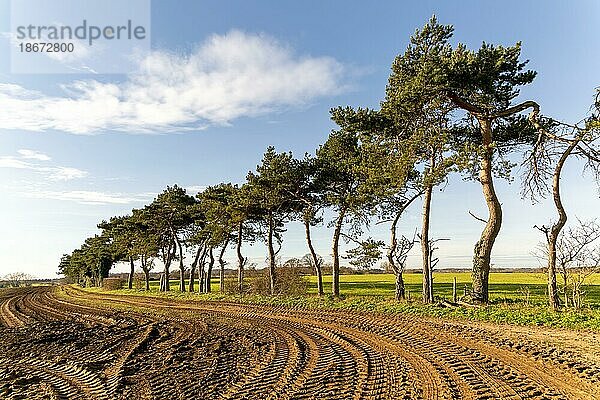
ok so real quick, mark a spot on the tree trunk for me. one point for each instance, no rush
(335, 285)
(181, 268)
(483, 248)
(147, 278)
(222, 267)
(566, 286)
(131, 273)
(170, 255)
(201, 276)
(553, 299)
(400, 291)
(426, 246)
(314, 256)
(211, 263)
(272, 277)
(240, 258)
(454, 292)
(144, 261)
(193, 269)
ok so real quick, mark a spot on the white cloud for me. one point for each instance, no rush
(33, 155)
(54, 173)
(227, 77)
(64, 173)
(90, 197)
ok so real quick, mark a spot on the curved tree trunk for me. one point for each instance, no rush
(483, 248)
(193, 269)
(314, 256)
(400, 291)
(222, 266)
(211, 263)
(426, 246)
(146, 270)
(240, 258)
(131, 273)
(553, 298)
(272, 277)
(201, 277)
(166, 286)
(147, 278)
(335, 285)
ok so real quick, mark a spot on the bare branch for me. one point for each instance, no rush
(478, 218)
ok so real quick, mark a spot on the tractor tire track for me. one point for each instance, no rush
(68, 343)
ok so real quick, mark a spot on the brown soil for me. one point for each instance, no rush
(65, 343)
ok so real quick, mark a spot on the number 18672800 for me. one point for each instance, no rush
(46, 47)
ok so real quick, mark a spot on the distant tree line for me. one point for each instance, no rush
(446, 110)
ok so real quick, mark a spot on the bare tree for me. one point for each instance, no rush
(314, 261)
(397, 254)
(147, 265)
(398, 249)
(557, 141)
(18, 279)
(433, 262)
(577, 259)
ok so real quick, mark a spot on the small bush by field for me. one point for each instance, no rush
(113, 283)
(290, 282)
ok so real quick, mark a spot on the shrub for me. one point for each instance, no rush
(113, 283)
(231, 285)
(139, 281)
(290, 282)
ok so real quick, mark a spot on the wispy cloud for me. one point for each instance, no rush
(227, 77)
(90, 197)
(54, 173)
(33, 155)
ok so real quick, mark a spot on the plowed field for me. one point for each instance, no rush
(66, 343)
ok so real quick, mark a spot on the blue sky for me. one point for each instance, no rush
(275, 70)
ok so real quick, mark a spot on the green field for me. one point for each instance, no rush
(504, 287)
(509, 293)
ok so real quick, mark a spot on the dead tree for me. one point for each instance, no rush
(397, 255)
(18, 279)
(398, 249)
(433, 262)
(577, 259)
(147, 265)
(557, 142)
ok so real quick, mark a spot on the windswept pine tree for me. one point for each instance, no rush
(272, 188)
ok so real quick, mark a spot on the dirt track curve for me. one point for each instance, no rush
(64, 343)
